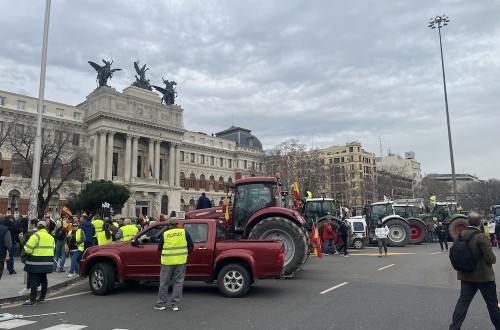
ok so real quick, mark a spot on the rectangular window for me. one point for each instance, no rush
(161, 169)
(192, 158)
(182, 156)
(139, 166)
(229, 146)
(211, 160)
(44, 111)
(58, 137)
(77, 116)
(245, 164)
(21, 105)
(229, 163)
(221, 162)
(202, 140)
(59, 112)
(76, 139)
(114, 169)
(191, 139)
(351, 149)
(212, 143)
(19, 130)
(2, 101)
(221, 144)
(202, 159)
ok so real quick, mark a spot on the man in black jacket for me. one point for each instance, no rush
(442, 234)
(344, 234)
(9, 223)
(497, 233)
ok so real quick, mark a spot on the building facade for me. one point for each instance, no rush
(399, 177)
(352, 175)
(133, 139)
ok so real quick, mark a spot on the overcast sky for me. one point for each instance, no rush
(323, 72)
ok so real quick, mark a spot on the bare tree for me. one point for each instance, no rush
(442, 190)
(63, 156)
(393, 183)
(480, 196)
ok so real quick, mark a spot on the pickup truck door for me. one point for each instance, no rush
(142, 259)
(200, 260)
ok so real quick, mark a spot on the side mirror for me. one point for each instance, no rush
(134, 242)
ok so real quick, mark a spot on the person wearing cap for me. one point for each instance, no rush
(40, 250)
(173, 248)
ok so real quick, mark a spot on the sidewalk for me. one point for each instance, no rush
(10, 285)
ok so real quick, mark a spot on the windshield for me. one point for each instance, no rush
(250, 198)
(379, 211)
(316, 209)
(496, 211)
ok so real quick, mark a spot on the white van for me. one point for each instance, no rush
(359, 235)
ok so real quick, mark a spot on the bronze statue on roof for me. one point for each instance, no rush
(168, 92)
(103, 72)
(141, 81)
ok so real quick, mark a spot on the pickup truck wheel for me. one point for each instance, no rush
(233, 280)
(102, 279)
(293, 237)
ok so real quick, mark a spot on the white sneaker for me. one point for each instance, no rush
(175, 309)
(71, 275)
(24, 291)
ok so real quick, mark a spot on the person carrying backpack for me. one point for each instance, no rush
(482, 278)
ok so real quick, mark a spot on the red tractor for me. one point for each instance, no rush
(255, 212)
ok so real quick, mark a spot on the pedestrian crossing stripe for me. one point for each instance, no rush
(18, 323)
(376, 254)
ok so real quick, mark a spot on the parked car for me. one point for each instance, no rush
(359, 235)
(234, 264)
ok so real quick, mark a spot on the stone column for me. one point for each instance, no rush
(151, 158)
(133, 163)
(128, 157)
(102, 155)
(157, 160)
(109, 157)
(177, 163)
(171, 165)
(95, 166)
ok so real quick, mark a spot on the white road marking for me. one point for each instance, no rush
(65, 326)
(333, 288)
(386, 267)
(436, 253)
(11, 324)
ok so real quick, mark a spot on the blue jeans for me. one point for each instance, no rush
(75, 259)
(10, 262)
(326, 243)
(60, 253)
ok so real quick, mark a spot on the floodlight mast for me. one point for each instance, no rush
(441, 21)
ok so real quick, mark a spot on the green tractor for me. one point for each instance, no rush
(399, 228)
(417, 226)
(447, 213)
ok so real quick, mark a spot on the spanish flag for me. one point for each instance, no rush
(226, 213)
(316, 242)
(66, 211)
(296, 194)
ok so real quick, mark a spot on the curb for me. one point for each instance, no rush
(51, 288)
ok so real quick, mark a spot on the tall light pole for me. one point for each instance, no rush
(441, 21)
(35, 174)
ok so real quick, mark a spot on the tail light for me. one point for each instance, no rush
(281, 256)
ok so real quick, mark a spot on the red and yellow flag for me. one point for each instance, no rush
(296, 194)
(66, 211)
(226, 212)
(316, 242)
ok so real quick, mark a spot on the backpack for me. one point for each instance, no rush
(60, 234)
(461, 256)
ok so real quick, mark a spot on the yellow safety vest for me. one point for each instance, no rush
(116, 224)
(432, 200)
(175, 249)
(78, 237)
(102, 239)
(129, 231)
(40, 248)
(98, 224)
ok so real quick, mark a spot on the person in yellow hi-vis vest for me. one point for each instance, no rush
(174, 246)
(40, 250)
(127, 232)
(105, 236)
(98, 225)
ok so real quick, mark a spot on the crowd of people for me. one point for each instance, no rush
(45, 245)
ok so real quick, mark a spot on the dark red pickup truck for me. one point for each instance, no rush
(234, 264)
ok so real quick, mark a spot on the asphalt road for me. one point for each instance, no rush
(412, 288)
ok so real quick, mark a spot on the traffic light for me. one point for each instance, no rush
(1, 170)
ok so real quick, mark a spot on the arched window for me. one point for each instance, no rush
(183, 205)
(192, 205)
(54, 204)
(221, 184)
(182, 180)
(202, 182)
(192, 179)
(13, 206)
(16, 164)
(212, 183)
(230, 182)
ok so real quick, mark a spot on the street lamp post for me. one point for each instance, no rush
(441, 21)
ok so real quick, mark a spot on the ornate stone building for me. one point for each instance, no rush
(131, 139)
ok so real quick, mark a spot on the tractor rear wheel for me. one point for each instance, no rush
(456, 226)
(399, 232)
(335, 222)
(293, 237)
(417, 230)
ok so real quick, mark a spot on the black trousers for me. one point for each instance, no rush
(345, 239)
(445, 241)
(36, 280)
(467, 292)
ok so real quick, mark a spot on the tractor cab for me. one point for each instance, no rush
(317, 208)
(495, 209)
(378, 211)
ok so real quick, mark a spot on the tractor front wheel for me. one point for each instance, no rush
(456, 226)
(417, 230)
(399, 232)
